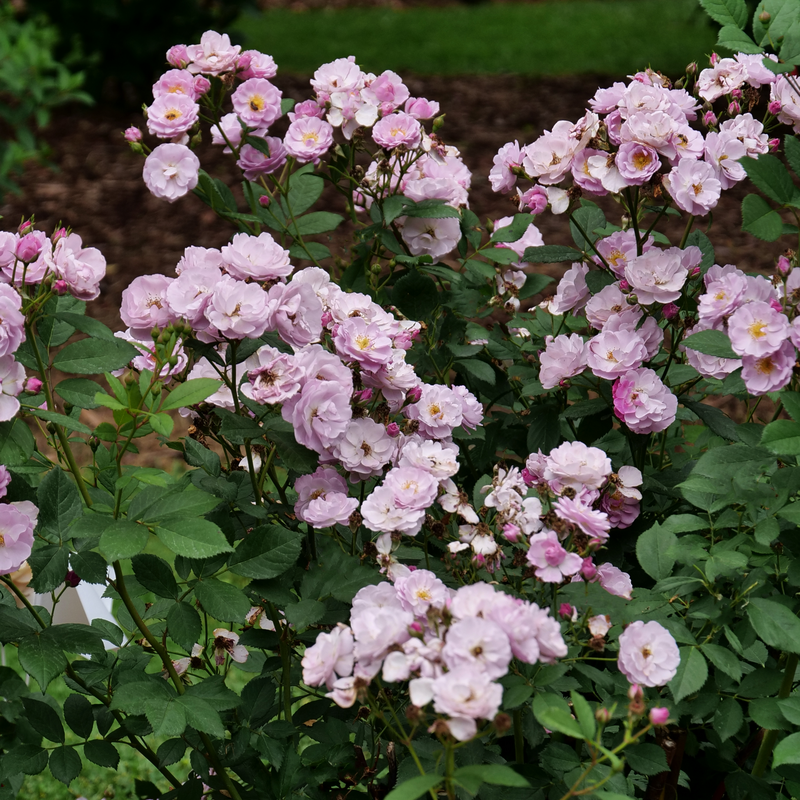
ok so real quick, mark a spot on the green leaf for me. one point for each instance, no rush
(102, 753)
(304, 613)
(201, 716)
(551, 254)
(60, 504)
(29, 759)
(214, 692)
(191, 393)
(766, 713)
(88, 325)
(430, 209)
(16, 443)
(590, 217)
(553, 713)
(723, 659)
(155, 575)
(648, 759)
(41, 657)
(698, 239)
(583, 711)
(516, 695)
(43, 719)
(711, 343)
(414, 788)
(315, 222)
(415, 295)
(767, 531)
(267, 552)
(653, 552)
(496, 774)
(727, 12)
(193, 538)
(59, 419)
(787, 751)
(166, 716)
(770, 176)
(170, 752)
(597, 280)
(790, 708)
(475, 368)
(782, 437)
(714, 419)
(791, 149)
(49, 566)
(760, 219)
(223, 601)
(198, 456)
(732, 38)
(775, 624)
(304, 190)
(691, 675)
(543, 430)
(65, 764)
(514, 231)
(728, 718)
(184, 625)
(123, 539)
(78, 715)
(91, 356)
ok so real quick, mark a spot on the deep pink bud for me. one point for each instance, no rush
(774, 144)
(26, 226)
(60, 287)
(414, 394)
(774, 107)
(132, 134)
(659, 715)
(512, 532)
(736, 94)
(61, 233)
(416, 627)
(714, 59)
(29, 247)
(624, 286)
(784, 266)
(327, 318)
(693, 273)
(72, 578)
(734, 108)
(588, 569)
(775, 305)
(178, 56)
(565, 610)
(709, 119)
(364, 395)
(670, 311)
(33, 385)
(201, 84)
(527, 477)
(393, 429)
(264, 200)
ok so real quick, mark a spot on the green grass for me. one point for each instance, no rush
(609, 37)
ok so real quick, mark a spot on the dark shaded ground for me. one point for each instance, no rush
(99, 191)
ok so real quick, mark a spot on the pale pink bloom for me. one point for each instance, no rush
(376, 630)
(352, 109)
(213, 55)
(466, 694)
(199, 258)
(322, 365)
(238, 310)
(8, 250)
(549, 158)
(308, 108)
(257, 102)
(643, 402)
(272, 376)
(412, 488)
(362, 342)
(420, 591)
(259, 257)
(171, 115)
(295, 312)
(175, 81)
(421, 108)
(610, 302)
(320, 414)
(344, 692)
(478, 644)
(501, 177)
(144, 304)
(722, 296)
(388, 91)
(394, 380)
(254, 163)
(438, 411)
(693, 186)
(548, 635)
(620, 248)
(606, 99)
(171, 171)
(769, 373)
(254, 64)
(229, 132)
(721, 79)
(599, 625)
(594, 524)
(433, 237)
(533, 200)
(438, 458)
(82, 268)
(757, 329)
(637, 163)
(575, 465)
(648, 654)
(16, 528)
(710, 366)
(323, 483)
(553, 563)
(227, 643)
(308, 139)
(471, 408)
(190, 293)
(5, 479)
(655, 129)
(572, 292)
(614, 580)
(364, 448)
(178, 56)
(749, 131)
(723, 151)
(455, 501)
(658, 276)
(147, 356)
(382, 514)
(330, 657)
(612, 353)
(602, 169)
(12, 321)
(563, 357)
(341, 75)
(396, 129)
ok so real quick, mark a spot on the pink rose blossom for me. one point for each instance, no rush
(16, 532)
(612, 353)
(479, 644)
(533, 200)
(214, 55)
(254, 64)
(438, 411)
(144, 304)
(170, 115)
(420, 108)
(5, 479)
(637, 163)
(12, 321)
(501, 176)
(412, 488)
(659, 715)
(420, 591)
(238, 310)
(81, 268)
(308, 139)
(563, 357)
(572, 292)
(643, 402)
(272, 376)
(553, 563)
(258, 257)
(190, 293)
(396, 129)
(594, 524)
(757, 329)
(176, 81)
(365, 448)
(257, 102)
(382, 514)
(648, 655)
(171, 171)
(433, 237)
(320, 414)
(295, 312)
(254, 163)
(769, 373)
(362, 342)
(614, 581)
(330, 657)
(575, 465)
(658, 276)
(693, 186)
(178, 56)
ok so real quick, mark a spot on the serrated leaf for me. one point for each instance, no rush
(714, 419)
(760, 219)
(415, 787)
(102, 753)
(193, 538)
(732, 38)
(647, 758)
(711, 343)
(553, 713)
(43, 719)
(266, 552)
(653, 550)
(787, 751)
(551, 254)
(691, 675)
(93, 356)
(782, 437)
(475, 368)
(775, 624)
(167, 717)
(29, 759)
(723, 659)
(184, 625)
(495, 774)
(728, 718)
(190, 393)
(727, 12)
(155, 575)
(123, 539)
(41, 657)
(770, 176)
(64, 421)
(221, 600)
(16, 443)
(78, 715)
(65, 764)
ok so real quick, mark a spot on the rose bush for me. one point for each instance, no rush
(458, 544)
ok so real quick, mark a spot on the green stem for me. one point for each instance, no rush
(770, 737)
(449, 769)
(686, 232)
(519, 740)
(286, 662)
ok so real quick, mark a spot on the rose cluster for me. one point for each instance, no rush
(452, 646)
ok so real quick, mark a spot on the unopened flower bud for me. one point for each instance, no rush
(736, 94)
(413, 395)
(632, 299)
(774, 144)
(155, 334)
(714, 59)
(565, 610)
(33, 386)
(60, 287)
(588, 569)
(438, 122)
(178, 56)
(132, 134)
(734, 108)
(774, 107)
(61, 233)
(694, 272)
(670, 311)
(264, 200)
(201, 84)
(635, 692)
(72, 578)
(157, 387)
(603, 716)
(624, 286)
(659, 715)
(691, 69)
(94, 443)
(709, 119)
(784, 266)
(29, 247)
(26, 226)
(393, 430)
(564, 383)
(502, 722)
(765, 17)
